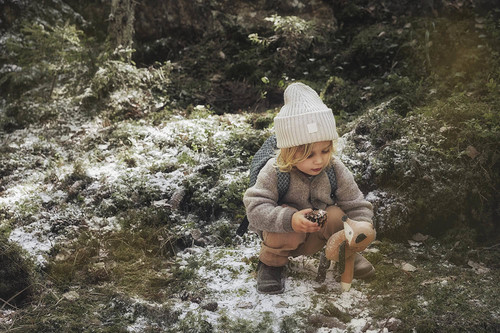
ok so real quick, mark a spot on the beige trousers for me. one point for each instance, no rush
(277, 247)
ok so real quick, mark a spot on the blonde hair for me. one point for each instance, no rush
(288, 158)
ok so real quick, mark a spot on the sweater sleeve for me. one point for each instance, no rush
(261, 203)
(349, 198)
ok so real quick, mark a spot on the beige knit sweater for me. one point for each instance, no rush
(264, 213)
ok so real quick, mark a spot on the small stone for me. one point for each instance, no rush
(393, 324)
(319, 320)
(281, 305)
(414, 243)
(160, 203)
(418, 237)
(196, 234)
(408, 267)
(210, 306)
(478, 268)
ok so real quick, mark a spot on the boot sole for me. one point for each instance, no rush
(274, 292)
(281, 291)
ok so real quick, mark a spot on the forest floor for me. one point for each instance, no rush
(103, 269)
(121, 186)
(415, 288)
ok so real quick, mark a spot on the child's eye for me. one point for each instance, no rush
(326, 151)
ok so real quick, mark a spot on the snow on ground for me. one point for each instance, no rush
(26, 188)
(32, 240)
(231, 283)
(228, 278)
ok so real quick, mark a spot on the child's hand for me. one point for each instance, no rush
(301, 224)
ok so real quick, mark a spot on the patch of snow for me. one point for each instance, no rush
(375, 196)
(232, 284)
(139, 325)
(14, 195)
(31, 241)
(110, 171)
(103, 224)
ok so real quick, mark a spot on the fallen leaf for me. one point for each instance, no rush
(471, 152)
(71, 295)
(245, 305)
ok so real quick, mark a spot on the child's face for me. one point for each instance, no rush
(317, 160)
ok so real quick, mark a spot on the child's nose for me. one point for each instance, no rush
(319, 160)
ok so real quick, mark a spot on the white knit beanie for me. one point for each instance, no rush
(304, 118)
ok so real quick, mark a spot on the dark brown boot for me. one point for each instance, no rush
(270, 280)
(363, 269)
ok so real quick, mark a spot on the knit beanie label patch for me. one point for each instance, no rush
(312, 128)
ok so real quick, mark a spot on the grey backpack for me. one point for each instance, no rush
(265, 152)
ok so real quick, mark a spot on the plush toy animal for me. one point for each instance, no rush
(343, 245)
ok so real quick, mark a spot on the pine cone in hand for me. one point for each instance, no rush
(318, 216)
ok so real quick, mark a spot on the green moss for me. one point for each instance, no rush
(343, 97)
(435, 297)
(225, 324)
(224, 233)
(62, 273)
(128, 260)
(93, 310)
(330, 310)
(261, 121)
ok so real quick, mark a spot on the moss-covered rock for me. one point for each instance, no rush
(425, 174)
(16, 274)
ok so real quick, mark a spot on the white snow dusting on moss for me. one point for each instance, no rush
(230, 281)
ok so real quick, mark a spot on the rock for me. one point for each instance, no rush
(196, 234)
(282, 304)
(418, 237)
(319, 320)
(210, 306)
(75, 188)
(414, 243)
(478, 268)
(408, 267)
(392, 324)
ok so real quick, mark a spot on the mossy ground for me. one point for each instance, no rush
(122, 280)
(442, 294)
(126, 181)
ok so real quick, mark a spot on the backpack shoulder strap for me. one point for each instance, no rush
(283, 184)
(265, 152)
(333, 181)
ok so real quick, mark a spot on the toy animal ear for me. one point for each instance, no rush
(344, 218)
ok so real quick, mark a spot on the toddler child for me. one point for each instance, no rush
(305, 134)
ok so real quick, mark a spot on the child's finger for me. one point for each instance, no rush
(305, 211)
(311, 226)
